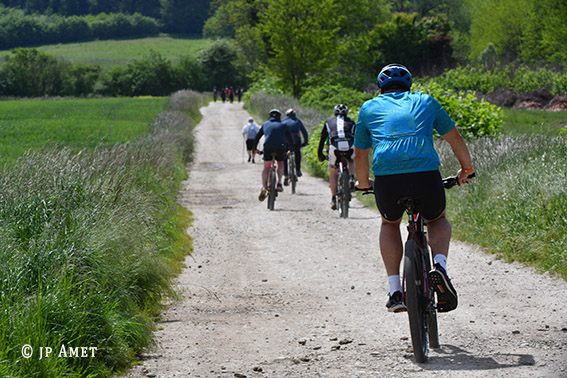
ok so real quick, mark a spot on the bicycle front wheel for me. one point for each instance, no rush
(272, 193)
(415, 301)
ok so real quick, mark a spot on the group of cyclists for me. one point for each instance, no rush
(398, 125)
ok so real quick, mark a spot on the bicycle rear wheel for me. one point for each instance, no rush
(415, 301)
(291, 173)
(272, 193)
(345, 184)
(342, 203)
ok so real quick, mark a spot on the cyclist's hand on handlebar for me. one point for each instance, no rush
(465, 175)
(321, 157)
(364, 185)
(288, 153)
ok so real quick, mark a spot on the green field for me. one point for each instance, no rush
(31, 124)
(534, 122)
(113, 53)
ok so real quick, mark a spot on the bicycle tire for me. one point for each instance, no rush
(417, 314)
(272, 192)
(431, 315)
(292, 173)
(340, 194)
(346, 193)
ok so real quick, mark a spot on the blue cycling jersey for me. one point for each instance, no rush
(399, 126)
(296, 129)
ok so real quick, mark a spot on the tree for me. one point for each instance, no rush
(182, 16)
(217, 61)
(301, 36)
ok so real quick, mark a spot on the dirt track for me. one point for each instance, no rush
(298, 292)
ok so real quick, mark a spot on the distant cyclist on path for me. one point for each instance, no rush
(277, 138)
(399, 126)
(249, 132)
(297, 129)
(340, 131)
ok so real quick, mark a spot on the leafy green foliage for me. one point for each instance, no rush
(20, 30)
(217, 64)
(326, 97)
(300, 39)
(518, 79)
(32, 73)
(520, 29)
(423, 45)
(473, 118)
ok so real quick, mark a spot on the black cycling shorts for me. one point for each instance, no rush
(250, 144)
(425, 187)
(279, 155)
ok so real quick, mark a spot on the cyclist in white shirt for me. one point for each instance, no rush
(339, 129)
(249, 132)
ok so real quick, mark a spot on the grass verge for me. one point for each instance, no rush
(90, 241)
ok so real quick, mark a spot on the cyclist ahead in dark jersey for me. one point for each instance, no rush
(399, 126)
(340, 131)
(297, 130)
(276, 139)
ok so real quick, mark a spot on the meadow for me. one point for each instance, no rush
(112, 53)
(75, 123)
(91, 236)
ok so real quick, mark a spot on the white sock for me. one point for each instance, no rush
(395, 284)
(441, 260)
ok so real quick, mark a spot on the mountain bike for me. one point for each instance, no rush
(419, 295)
(272, 182)
(291, 171)
(343, 183)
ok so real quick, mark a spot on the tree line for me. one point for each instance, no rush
(306, 43)
(30, 19)
(28, 72)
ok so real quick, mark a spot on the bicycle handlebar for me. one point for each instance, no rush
(450, 182)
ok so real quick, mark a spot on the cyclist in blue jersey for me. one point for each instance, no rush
(399, 126)
(296, 129)
(277, 139)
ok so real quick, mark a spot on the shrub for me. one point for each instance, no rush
(326, 97)
(31, 73)
(473, 118)
(152, 75)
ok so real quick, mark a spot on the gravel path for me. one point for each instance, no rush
(298, 292)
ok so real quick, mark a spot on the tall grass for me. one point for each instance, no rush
(89, 243)
(517, 206)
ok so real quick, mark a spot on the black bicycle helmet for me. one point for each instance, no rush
(394, 74)
(341, 109)
(275, 113)
(290, 113)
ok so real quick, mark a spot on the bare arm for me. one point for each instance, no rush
(362, 167)
(461, 151)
